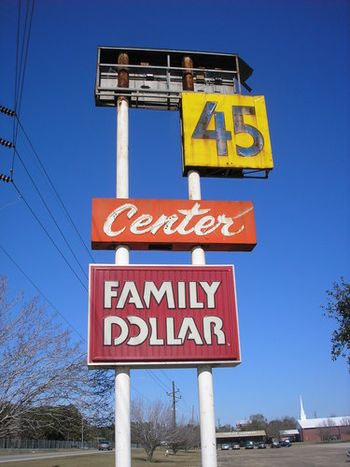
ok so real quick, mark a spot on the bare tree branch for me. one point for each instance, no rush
(41, 367)
(151, 425)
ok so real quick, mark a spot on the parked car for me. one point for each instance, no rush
(285, 443)
(104, 446)
(275, 444)
(348, 452)
(261, 445)
(236, 446)
(225, 447)
(249, 445)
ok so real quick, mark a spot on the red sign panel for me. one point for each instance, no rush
(162, 316)
(173, 224)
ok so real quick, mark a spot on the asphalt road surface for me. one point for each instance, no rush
(43, 455)
(298, 455)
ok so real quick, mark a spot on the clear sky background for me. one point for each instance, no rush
(300, 54)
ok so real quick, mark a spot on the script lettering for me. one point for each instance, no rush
(183, 222)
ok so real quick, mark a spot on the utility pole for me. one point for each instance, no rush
(175, 398)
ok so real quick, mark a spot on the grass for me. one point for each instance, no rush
(106, 459)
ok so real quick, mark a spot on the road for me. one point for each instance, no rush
(35, 455)
(299, 455)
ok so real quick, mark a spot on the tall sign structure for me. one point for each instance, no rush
(174, 316)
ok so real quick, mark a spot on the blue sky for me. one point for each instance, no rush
(299, 51)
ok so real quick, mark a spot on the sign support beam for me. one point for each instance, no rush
(122, 374)
(211, 79)
(207, 416)
(204, 372)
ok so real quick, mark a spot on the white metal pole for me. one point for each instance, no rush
(122, 417)
(122, 374)
(122, 175)
(207, 416)
(204, 372)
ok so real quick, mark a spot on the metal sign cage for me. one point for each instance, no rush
(155, 78)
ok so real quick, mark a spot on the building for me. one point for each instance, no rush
(323, 429)
(240, 437)
(293, 435)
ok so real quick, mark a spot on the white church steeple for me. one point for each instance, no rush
(302, 411)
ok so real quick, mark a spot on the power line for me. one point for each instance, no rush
(48, 235)
(22, 54)
(17, 55)
(55, 190)
(166, 376)
(162, 372)
(21, 65)
(51, 215)
(22, 49)
(41, 292)
(157, 380)
(24, 62)
(5, 178)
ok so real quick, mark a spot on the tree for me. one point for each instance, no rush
(151, 425)
(56, 423)
(183, 436)
(345, 424)
(40, 368)
(191, 436)
(275, 426)
(338, 308)
(224, 428)
(272, 427)
(329, 430)
(256, 422)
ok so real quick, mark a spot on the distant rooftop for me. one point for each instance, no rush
(290, 432)
(324, 422)
(240, 434)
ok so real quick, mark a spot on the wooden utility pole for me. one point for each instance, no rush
(175, 398)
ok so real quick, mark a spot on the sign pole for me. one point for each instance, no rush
(234, 231)
(207, 416)
(204, 372)
(122, 374)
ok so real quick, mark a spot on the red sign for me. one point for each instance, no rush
(162, 316)
(173, 224)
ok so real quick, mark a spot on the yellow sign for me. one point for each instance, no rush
(225, 132)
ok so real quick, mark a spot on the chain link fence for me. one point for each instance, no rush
(8, 443)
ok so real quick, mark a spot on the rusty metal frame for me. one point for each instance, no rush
(155, 78)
